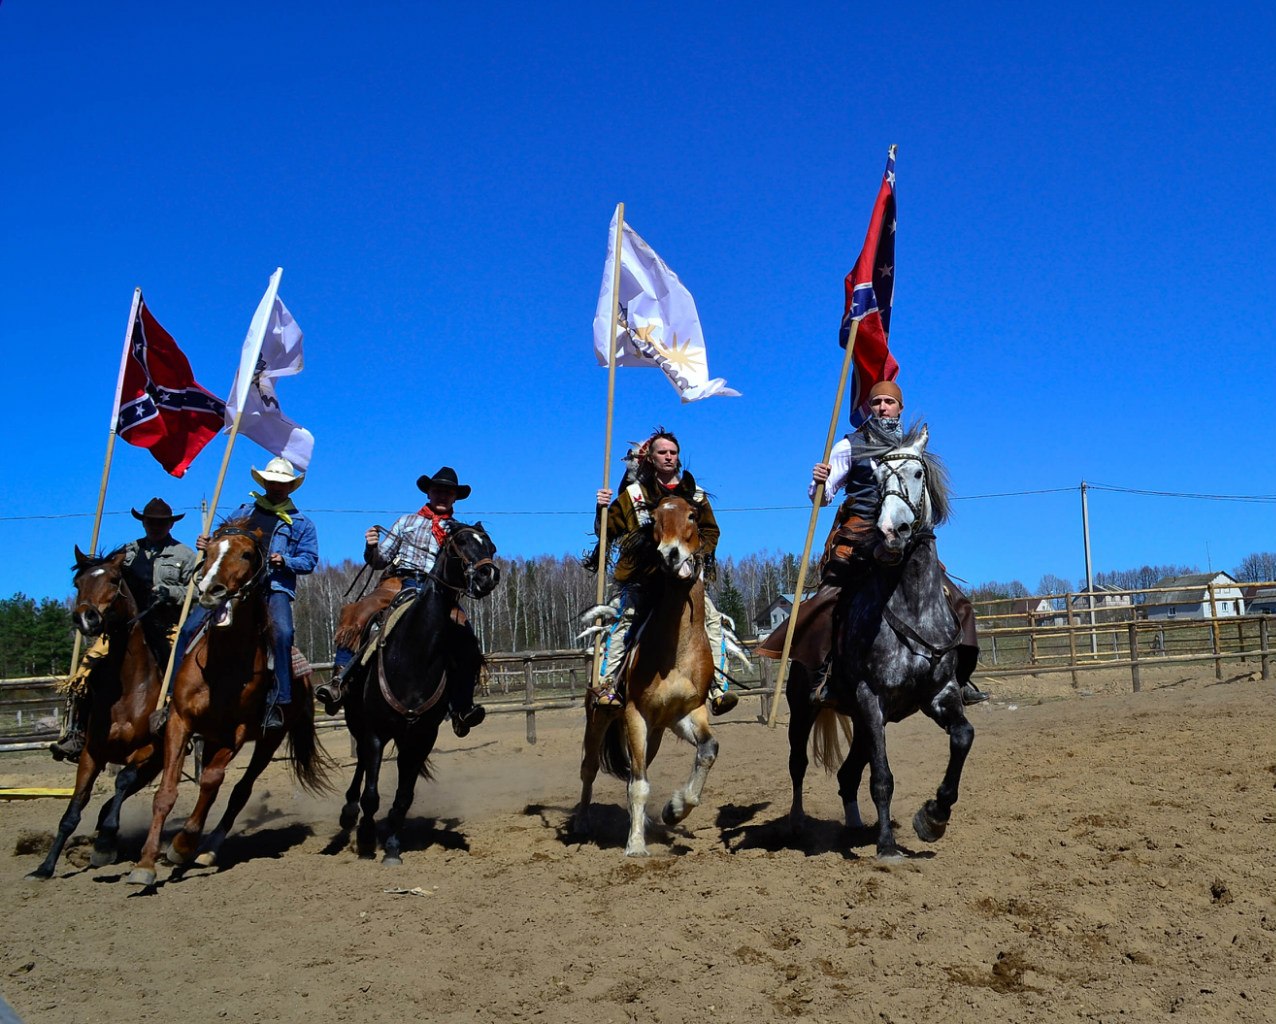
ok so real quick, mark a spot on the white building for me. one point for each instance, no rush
(1189, 597)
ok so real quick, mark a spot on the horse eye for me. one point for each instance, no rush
(246, 556)
(917, 475)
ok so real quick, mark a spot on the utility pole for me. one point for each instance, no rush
(1089, 576)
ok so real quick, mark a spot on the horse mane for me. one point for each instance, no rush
(937, 482)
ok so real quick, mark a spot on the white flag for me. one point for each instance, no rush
(659, 325)
(271, 350)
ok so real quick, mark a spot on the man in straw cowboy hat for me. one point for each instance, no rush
(157, 569)
(851, 545)
(407, 553)
(292, 547)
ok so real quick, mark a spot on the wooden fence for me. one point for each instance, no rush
(1014, 641)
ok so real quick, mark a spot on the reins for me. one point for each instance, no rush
(893, 474)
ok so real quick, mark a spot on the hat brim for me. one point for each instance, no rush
(424, 483)
(292, 482)
(171, 519)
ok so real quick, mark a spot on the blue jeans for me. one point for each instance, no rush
(279, 609)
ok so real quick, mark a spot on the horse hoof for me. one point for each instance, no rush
(891, 855)
(101, 858)
(928, 829)
(208, 859)
(349, 819)
(391, 861)
(175, 856)
(640, 851)
(40, 874)
(141, 876)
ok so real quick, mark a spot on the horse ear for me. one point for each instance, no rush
(81, 559)
(922, 438)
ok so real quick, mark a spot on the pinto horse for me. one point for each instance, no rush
(894, 651)
(402, 694)
(667, 679)
(125, 688)
(220, 692)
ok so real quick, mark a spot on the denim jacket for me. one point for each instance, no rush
(298, 543)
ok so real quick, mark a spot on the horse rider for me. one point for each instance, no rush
(157, 569)
(292, 546)
(655, 472)
(850, 547)
(408, 552)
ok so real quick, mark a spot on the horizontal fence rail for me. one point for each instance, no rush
(1054, 633)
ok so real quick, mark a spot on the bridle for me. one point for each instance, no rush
(259, 573)
(893, 484)
(696, 559)
(450, 550)
(120, 591)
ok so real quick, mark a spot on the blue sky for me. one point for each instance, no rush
(1085, 255)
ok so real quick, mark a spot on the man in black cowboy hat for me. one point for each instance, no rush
(407, 552)
(157, 569)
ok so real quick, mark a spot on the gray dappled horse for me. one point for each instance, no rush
(895, 640)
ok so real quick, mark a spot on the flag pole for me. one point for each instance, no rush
(242, 383)
(817, 502)
(595, 679)
(110, 449)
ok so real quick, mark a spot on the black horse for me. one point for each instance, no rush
(401, 694)
(895, 653)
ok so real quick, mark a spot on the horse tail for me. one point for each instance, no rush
(614, 753)
(826, 739)
(310, 763)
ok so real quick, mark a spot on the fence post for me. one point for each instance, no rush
(1072, 641)
(1032, 638)
(1263, 648)
(764, 703)
(1134, 655)
(571, 683)
(529, 680)
(1218, 662)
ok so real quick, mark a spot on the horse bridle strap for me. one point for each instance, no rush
(262, 560)
(470, 569)
(894, 475)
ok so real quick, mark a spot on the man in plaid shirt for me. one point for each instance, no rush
(407, 553)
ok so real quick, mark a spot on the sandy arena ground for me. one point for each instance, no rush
(1113, 858)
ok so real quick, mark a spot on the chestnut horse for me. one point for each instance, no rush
(666, 681)
(124, 689)
(220, 692)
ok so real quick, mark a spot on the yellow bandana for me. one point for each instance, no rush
(281, 510)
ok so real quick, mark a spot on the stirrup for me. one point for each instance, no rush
(608, 698)
(972, 694)
(464, 721)
(69, 748)
(332, 693)
(723, 702)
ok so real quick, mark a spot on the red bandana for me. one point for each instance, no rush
(436, 522)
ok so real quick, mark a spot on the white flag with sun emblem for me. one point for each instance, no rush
(659, 325)
(271, 350)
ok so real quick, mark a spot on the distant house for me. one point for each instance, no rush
(1188, 597)
(772, 615)
(1038, 611)
(1260, 600)
(1110, 604)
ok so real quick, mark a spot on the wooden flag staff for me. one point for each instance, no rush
(817, 502)
(110, 449)
(595, 678)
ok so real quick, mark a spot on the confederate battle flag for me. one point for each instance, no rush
(161, 407)
(869, 287)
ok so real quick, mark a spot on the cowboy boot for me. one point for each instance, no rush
(967, 656)
(333, 692)
(721, 699)
(822, 691)
(70, 745)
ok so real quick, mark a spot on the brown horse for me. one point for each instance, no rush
(667, 679)
(220, 692)
(125, 688)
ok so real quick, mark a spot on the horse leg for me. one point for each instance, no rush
(350, 812)
(411, 758)
(186, 842)
(596, 724)
(802, 714)
(694, 728)
(86, 774)
(176, 733)
(263, 750)
(881, 783)
(134, 776)
(849, 777)
(931, 820)
(371, 750)
(639, 788)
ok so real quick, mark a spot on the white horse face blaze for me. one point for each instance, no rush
(219, 553)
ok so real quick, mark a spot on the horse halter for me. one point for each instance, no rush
(104, 610)
(450, 550)
(894, 484)
(259, 573)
